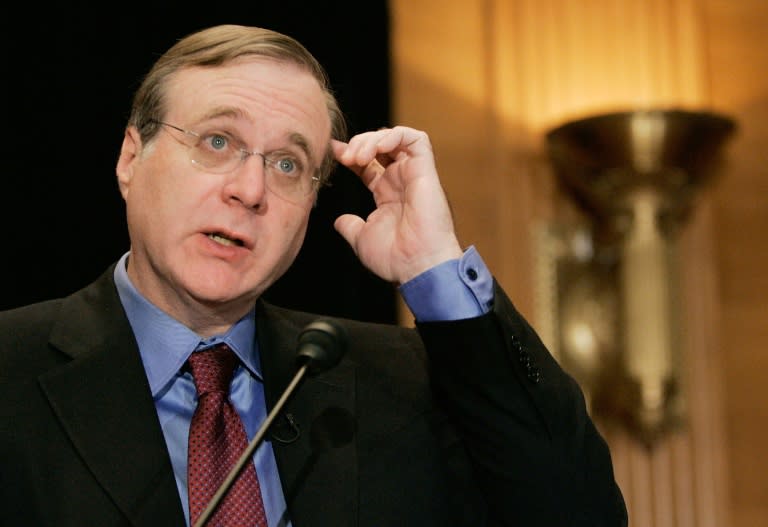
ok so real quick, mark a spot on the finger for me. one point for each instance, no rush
(402, 138)
(349, 226)
(387, 145)
(340, 151)
(367, 173)
(347, 156)
(363, 147)
(338, 148)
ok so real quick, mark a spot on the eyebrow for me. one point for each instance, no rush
(230, 112)
(301, 141)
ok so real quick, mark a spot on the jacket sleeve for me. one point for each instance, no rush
(536, 454)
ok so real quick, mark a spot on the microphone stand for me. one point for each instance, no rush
(255, 442)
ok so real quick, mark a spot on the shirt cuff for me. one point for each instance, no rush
(453, 290)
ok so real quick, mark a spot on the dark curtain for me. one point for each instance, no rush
(69, 72)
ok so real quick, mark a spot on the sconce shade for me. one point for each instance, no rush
(606, 156)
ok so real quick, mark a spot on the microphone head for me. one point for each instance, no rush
(321, 345)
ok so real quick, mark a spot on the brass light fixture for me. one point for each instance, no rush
(633, 175)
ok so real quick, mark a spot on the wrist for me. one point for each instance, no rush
(423, 263)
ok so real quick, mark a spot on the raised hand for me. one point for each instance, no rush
(412, 228)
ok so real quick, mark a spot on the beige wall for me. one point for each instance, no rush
(486, 78)
(737, 67)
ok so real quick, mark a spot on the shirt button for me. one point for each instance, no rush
(472, 274)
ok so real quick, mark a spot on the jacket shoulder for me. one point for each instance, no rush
(28, 334)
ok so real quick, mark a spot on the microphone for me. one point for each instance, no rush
(321, 344)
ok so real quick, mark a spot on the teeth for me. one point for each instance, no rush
(222, 240)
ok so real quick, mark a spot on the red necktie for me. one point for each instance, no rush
(216, 441)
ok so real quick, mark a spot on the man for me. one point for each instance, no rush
(466, 420)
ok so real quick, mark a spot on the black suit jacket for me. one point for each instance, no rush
(465, 423)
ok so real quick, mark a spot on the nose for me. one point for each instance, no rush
(247, 183)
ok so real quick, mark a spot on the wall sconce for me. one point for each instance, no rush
(612, 278)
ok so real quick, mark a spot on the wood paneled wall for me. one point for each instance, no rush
(487, 78)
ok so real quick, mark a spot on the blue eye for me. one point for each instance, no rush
(217, 141)
(286, 165)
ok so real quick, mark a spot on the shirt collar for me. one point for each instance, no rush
(165, 343)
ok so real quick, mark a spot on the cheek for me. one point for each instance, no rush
(300, 232)
(163, 175)
(294, 228)
(156, 200)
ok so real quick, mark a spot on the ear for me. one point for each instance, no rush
(129, 156)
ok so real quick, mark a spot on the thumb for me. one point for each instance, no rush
(349, 226)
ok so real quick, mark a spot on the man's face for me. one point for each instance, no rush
(205, 245)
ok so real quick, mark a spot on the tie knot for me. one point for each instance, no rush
(212, 369)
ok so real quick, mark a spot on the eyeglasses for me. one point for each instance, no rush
(219, 152)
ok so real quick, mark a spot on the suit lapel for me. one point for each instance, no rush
(103, 401)
(318, 470)
(104, 404)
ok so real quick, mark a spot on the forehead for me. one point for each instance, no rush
(275, 98)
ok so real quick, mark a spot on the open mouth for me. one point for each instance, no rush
(223, 240)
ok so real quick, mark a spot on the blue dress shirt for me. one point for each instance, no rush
(453, 290)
